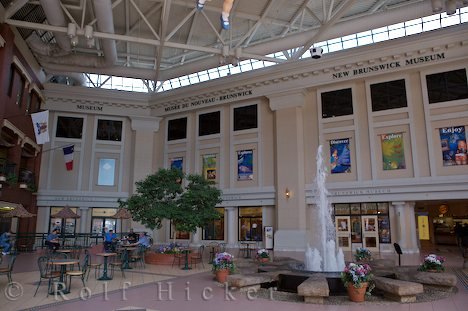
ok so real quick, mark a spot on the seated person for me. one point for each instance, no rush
(143, 241)
(5, 242)
(132, 237)
(110, 239)
(53, 240)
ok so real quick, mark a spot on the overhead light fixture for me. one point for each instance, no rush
(74, 41)
(287, 193)
(88, 31)
(316, 53)
(451, 6)
(437, 6)
(71, 30)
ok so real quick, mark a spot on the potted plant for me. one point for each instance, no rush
(162, 254)
(432, 263)
(223, 264)
(357, 278)
(262, 255)
(363, 254)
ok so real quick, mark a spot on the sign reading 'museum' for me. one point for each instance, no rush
(388, 66)
(88, 107)
(210, 100)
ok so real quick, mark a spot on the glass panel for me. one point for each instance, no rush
(356, 236)
(215, 230)
(388, 95)
(342, 224)
(69, 127)
(384, 229)
(343, 241)
(250, 211)
(337, 103)
(369, 208)
(341, 209)
(209, 123)
(109, 223)
(104, 212)
(355, 209)
(447, 86)
(177, 129)
(369, 224)
(109, 130)
(371, 241)
(97, 226)
(382, 208)
(245, 117)
(106, 172)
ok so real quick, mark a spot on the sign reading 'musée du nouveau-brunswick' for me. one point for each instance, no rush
(210, 100)
(388, 66)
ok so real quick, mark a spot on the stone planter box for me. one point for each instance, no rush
(153, 258)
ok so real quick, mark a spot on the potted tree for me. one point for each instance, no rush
(162, 196)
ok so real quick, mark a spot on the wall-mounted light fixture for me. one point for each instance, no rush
(287, 193)
(71, 30)
(88, 31)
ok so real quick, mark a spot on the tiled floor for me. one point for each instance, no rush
(165, 288)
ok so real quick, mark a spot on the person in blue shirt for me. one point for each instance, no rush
(5, 242)
(144, 240)
(53, 240)
(109, 240)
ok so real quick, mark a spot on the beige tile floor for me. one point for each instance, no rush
(193, 289)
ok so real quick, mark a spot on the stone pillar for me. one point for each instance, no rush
(144, 128)
(83, 219)
(406, 227)
(231, 226)
(291, 234)
(196, 237)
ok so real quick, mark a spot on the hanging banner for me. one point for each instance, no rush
(209, 166)
(245, 165)
(453, 145)
(340, 159)
(393, 154)
(177, 163)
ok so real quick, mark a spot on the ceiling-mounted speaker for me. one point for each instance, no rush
(316, 52)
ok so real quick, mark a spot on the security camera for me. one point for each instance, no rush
(316, 52)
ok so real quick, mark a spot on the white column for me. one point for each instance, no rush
(46, 219)
(291, 234)
(231, 226)
(196, 237)
(406, 227)
(83, 219)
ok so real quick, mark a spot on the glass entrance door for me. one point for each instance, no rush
(370, 233)
(343, 232)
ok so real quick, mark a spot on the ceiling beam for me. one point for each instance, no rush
(163, 29)
(14, 7)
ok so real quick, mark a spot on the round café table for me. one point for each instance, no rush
(127, 249)
(104, 276)
(63, 263)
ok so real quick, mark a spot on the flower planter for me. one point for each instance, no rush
(221, 275)
(357, 294)
(159, 259)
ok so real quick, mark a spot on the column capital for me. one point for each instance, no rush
(290, 99)
(145, 123)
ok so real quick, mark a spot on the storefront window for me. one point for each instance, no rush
(215, 230)
(250, 224)
(101, 219)
(357, 212)
(65, 226)
(341, 209)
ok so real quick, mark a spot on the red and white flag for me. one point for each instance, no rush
(68, 156)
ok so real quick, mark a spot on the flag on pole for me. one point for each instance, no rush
(68, 156)
(40, 122)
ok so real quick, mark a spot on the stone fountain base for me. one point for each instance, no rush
(284, 278)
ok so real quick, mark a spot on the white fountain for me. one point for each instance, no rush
(324, 257)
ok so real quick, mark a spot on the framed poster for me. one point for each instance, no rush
(340, 159)
(245, 165)
(453, 145)
(177, 163)
(209, 166)
(393, 154)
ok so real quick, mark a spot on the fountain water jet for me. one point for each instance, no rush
(325, 257)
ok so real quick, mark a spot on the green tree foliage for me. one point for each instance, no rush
(162, 196)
